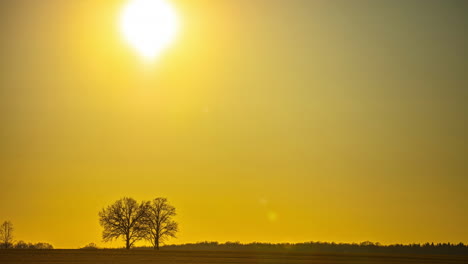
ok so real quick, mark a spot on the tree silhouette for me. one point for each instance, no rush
(124, 219)
(159, 223)
(6, 234)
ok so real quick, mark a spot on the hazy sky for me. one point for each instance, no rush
(267, 120)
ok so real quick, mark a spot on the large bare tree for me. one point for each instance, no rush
(159, 223)
(6, 234)
(124, 219)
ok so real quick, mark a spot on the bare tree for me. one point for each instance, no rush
(6, 234)
(124, 219)
(159, 223)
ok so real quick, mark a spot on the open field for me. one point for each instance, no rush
(163, 257)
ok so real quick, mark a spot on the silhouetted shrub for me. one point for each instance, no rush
(6, 245)
(21, 245)
(90, 246)
(43, 245)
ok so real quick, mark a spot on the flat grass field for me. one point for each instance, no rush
(165, 257)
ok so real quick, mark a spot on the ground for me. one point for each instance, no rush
(200, 257)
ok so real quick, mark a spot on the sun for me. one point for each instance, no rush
(149, 26)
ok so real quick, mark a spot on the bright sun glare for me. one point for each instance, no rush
(149, 26)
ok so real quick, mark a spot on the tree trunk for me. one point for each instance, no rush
(128, 242)
(156, 243)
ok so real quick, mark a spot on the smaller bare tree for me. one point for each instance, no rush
(159, 223)
(6, 234)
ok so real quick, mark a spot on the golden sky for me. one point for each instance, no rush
(266, 120)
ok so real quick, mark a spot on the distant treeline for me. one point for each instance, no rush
(324, 247)
(24, 245)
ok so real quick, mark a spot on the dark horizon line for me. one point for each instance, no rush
(254, 243)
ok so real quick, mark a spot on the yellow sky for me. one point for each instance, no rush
(266, 120)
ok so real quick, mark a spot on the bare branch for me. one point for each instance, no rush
(159, 223)
(123, 219)
(6, 234)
